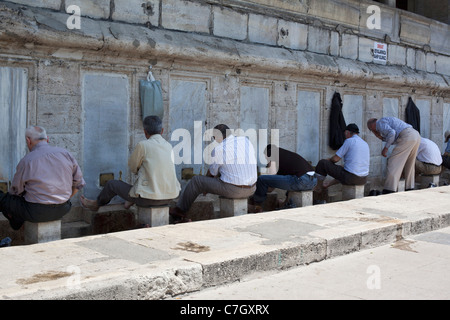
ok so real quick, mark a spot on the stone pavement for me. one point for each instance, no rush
(162, 262)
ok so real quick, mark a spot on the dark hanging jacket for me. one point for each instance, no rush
(337, 123)
(412, 114)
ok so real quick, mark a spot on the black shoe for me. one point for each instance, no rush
(386, 191)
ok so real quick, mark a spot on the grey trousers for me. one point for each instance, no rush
(203, 184)
(122, 189)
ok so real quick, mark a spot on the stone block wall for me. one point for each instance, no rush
(218, 62)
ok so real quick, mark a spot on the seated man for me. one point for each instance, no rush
(446, 155)
(429, 159)
(232, 173)
(152, 162)
(45, 180)
(291, 174)
(356, 154)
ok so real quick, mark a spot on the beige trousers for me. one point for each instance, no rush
(403, 160)
(427, 168)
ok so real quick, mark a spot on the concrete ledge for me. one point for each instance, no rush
(48, 29)
(157, 263)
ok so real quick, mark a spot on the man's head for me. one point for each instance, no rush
(221, 132)
(372, 124)
(35, 135)
(152, 125)
(351, 130)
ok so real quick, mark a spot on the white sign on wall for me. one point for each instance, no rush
(380, 52)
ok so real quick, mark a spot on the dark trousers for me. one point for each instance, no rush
(446, 161)
(17, 210)
(122, 189)
(326, 167)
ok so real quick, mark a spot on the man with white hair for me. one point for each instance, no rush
(45, 180)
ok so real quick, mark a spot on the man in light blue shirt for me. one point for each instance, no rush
(402, 159)
(356, 155)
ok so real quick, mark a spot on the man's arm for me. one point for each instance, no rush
(386, 132)
(135, 161)
(335, 158)
(17, 184)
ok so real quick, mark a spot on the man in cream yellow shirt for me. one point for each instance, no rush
(152, 162)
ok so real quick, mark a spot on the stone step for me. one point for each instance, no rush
(75, 229)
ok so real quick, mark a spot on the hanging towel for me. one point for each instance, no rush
(337, 123)
(151, 97)
(412, 114)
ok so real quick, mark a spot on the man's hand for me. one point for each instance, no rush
(384, 152)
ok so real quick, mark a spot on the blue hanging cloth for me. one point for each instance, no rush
(151, 97)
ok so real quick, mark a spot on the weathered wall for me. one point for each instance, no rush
(222, 61)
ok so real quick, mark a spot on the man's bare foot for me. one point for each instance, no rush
(327, 184)
(254, 209)
(127, 205)
(178, 215)
(89, 204)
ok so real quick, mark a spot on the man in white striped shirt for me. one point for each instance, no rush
(232, 173)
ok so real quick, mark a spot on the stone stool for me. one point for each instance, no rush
(153, 216)
(352, 192)
(426, 180)
(301, 198)
(42, 231)
(233, 207)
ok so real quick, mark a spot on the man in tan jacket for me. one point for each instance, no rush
(153, 164)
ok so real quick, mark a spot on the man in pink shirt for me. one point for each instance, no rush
(45, 180)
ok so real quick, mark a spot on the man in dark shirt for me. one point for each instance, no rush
(292, 173)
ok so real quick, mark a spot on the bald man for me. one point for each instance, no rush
(394, 131)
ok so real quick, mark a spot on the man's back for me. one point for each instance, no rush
(429, 152)
(291, 163)
(152, 161)
(356, 154)
(234, 159)
(46, 175)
